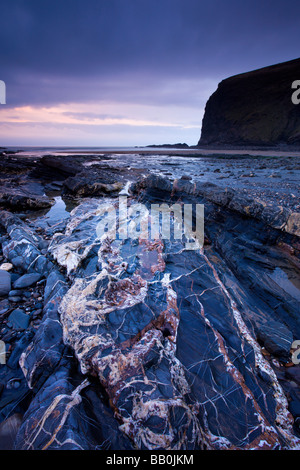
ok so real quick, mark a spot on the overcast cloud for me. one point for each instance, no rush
(129, 72)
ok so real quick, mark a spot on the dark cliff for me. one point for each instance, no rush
(254, 108)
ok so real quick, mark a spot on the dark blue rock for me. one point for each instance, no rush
(36, 313)
(44, 354)
(37, 306)
(294, 408)
(15, 293)
(55, 283)
(4, 306)
(19, 262)
(43, 245)
(276, 338)
(15, 298)
(27, 280)
(5, 282)
(18, 319)
(168, 348)
(14, 277)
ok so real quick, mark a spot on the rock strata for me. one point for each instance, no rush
(141, 343)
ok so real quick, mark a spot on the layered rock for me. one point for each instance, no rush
(176, 349)
(141, 343)
(254, 108)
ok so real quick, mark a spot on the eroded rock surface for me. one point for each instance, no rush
(147, 345)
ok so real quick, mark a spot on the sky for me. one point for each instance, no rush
(129, 72)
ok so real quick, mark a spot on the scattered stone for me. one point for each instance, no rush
(18, 262)
(43, 245)
(163, 328)
(36, 313)
(5, 282)
(15, 292)
(186, 177)
(4, 306)
(27, 280)
(294, 407)
(15, 299)
(6, 266)
(18, 319)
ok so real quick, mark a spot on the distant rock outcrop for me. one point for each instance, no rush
(254, 108)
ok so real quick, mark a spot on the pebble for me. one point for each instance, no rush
(38, 305)
(13, 383)
(14, 277)
(27, 280)
(18, 319)
(15, 299)
(36, 313)
(4, 306)
(15, 292)
(186, 177)
(43, 246)
(18, 262)
(6, 266)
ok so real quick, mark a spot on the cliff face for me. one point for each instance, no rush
(254, 108)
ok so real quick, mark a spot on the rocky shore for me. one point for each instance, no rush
(115, 344)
